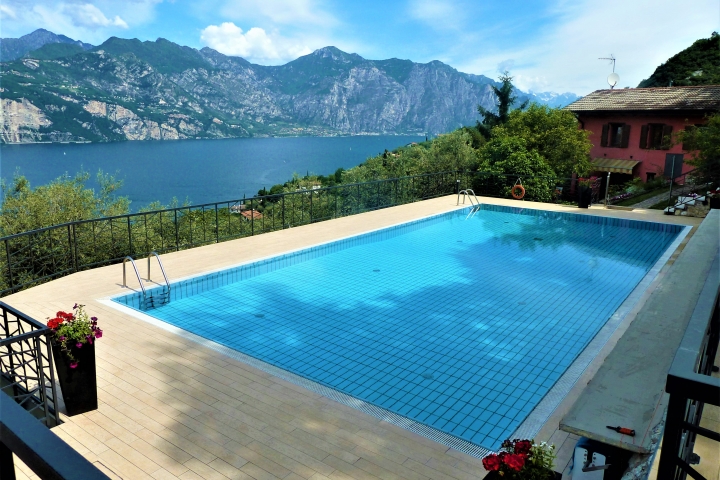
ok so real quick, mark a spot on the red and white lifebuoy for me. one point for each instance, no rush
(518, 192)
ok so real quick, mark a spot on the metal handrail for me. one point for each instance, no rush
(690, 385)
(162, 269)
(467, 192)
(26, 363)
(46, 454)
(137, 273)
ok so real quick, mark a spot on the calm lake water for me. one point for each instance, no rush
(203, 171)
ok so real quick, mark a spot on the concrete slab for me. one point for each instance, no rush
(628, 389)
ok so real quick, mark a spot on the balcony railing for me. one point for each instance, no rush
(26, 368)
(34, 257)
(27, 378)
(691, 386)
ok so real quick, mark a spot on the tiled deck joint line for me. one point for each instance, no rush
(377, 412)
(542, 412)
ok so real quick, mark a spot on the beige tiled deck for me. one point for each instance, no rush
(171, 408)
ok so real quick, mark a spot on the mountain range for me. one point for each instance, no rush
(58, 89)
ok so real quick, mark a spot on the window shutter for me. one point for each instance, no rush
(666, 138)
(604, 136)
(643, 136)
(625, 141)
(688, 143)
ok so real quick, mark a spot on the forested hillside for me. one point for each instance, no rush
(698, 64)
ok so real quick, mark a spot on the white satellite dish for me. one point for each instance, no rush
(613, 79)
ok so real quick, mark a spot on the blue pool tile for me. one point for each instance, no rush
(464, 349)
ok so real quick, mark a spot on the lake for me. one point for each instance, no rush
(202, 171)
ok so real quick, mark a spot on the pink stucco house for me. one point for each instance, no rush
(633, 129)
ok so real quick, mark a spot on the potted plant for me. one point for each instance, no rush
(714, 197)
(73, 347)
(585, 191)
(522, 460)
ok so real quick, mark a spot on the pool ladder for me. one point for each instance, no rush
(153, 299)
(470, 195)
(473, 201)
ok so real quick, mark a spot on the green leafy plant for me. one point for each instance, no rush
(74, 330)
(522, 460)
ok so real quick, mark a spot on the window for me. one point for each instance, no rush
(650, 176)
(615, 135)
(656, 136)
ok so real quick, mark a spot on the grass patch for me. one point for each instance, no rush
(661, 205)
(629, 202)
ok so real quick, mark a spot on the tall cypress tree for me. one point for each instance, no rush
(505, 100)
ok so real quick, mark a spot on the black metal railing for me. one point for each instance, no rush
(30, 408)
(26, 368)
(691, 386)
(34, 257)
(48, 456)
(686, 185)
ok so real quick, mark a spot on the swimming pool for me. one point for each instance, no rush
(461, 321)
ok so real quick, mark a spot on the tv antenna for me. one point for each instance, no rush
(613, 78)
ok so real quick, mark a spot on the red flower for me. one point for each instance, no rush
(523, 447)
(514, 461)
(54, 323)
(491, 462)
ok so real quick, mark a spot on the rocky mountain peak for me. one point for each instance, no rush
(335, 54)
(14, 48)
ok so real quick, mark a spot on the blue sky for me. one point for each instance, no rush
(549, 45)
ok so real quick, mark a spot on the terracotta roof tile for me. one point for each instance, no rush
(703, 98)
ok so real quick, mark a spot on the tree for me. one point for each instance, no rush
(705, 140)
(450, 152)
(505, 101)
(64, 199)
(509, 155)
(553, 134)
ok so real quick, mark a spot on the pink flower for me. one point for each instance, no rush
(98, 333)
(79, 345)
(73, 364)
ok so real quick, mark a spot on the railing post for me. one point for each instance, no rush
(177, 233)
(217, 225)
(283, 211)
(129, 230)
(7, 468)
(672, 437)
(9, 266)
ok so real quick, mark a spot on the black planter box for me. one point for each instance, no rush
(584, 196)
(78, 385)
(715, 202)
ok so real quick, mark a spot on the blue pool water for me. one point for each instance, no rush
(460, 323)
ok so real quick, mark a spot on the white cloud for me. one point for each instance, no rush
(89, 16)
(438, 14)
(307, 13)
(255, 45)
(640, 34)
(6, 11)
(91, 21)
